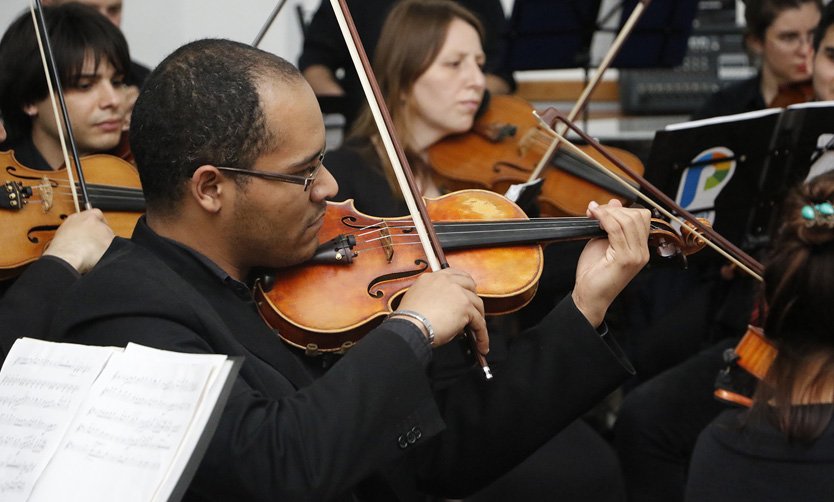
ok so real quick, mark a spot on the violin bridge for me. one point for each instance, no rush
(387, 242)
(524, 142)
(45, 189)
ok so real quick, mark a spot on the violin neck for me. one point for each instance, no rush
(462, 235)
(116, 198)
(573, 164)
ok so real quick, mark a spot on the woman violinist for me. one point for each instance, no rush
(781, 448)
(780, 33)
(428, 63)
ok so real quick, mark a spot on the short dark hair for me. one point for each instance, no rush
(201, 105)
(826, 20)
(760, 14)
(76, 32)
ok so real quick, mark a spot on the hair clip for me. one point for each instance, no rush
(818, 214)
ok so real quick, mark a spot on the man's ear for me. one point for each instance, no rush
(208, 188)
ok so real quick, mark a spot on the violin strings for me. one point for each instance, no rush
(374, 233)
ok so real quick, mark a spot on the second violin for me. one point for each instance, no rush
(505, 145)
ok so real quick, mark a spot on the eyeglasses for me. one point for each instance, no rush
(793, 40)
(307, 180)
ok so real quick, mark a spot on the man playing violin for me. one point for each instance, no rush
(92, 69)
(370, 425)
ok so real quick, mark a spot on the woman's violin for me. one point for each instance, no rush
(377, 259)
(793, 93)
(34, 203)
(504, 147)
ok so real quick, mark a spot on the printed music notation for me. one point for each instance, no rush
(91, 423)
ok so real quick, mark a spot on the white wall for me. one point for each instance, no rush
(154, 28)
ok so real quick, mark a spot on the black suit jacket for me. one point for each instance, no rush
(287, 436)
(27, 303)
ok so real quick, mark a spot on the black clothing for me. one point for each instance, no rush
(740, 97)
(659, 422)
(27, 308)
(756, 462)
(323, 43)
(286, 435)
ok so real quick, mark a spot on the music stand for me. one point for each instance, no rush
(712, 167)
(660, 39)
(551, 34)
(793, 147)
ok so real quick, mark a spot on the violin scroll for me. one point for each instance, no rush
(667, 242)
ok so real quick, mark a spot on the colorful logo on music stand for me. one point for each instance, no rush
(708, 174)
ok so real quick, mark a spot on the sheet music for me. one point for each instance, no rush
(42, 385)
(220, 368)
(127, 432)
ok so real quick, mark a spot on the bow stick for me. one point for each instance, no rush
(268, 23)
(51, 72)
(422, 223)
(616, 45)
(727, 249)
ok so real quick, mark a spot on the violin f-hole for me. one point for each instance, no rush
(397, 276)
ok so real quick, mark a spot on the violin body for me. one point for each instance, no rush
(34, 203)
(750, 362)
(359, 296)
(504, 148)
(793, 93)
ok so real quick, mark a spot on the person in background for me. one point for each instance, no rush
(782, 448)
(137, 72)
(428, 63)
(660, 420)
(780, 34)
(92, 58)
(326, 64)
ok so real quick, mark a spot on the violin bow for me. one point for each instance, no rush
(51, 72)
(422, 223)
(727, 249)
(268, 24)
(580, 104)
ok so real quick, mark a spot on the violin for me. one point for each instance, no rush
(754, 354)
(793, 93)
(503, 148)
(377, 259)
(33, 204)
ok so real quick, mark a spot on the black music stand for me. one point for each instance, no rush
(712, 167)
(793, 147)
(762, 154)
(660, 38)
